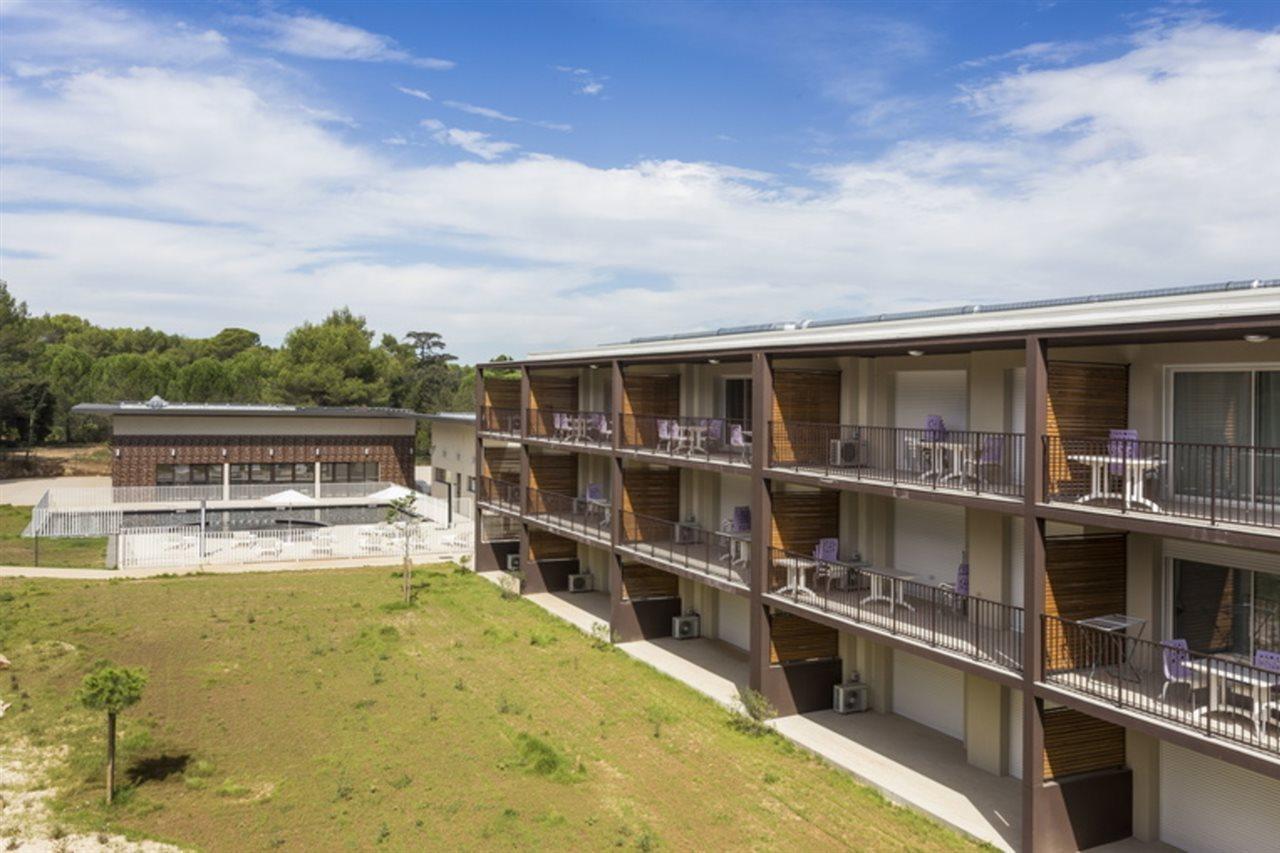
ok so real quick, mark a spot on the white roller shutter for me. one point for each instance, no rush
(918, 394)
(1209, 805)
(929, 693)
(735, 620)
(928, 540)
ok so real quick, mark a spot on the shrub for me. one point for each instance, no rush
(756, 709)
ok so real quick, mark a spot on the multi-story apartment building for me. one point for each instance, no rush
(1049, 531)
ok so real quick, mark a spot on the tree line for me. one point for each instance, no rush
(49, 363)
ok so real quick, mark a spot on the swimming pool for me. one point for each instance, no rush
(273, 518)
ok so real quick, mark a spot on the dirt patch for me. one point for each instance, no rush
(26, 822)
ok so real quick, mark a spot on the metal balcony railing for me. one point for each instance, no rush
(721, 555)
(970, 626)
(501, 421)
(1219, 697)
(710, 439)
(500, 494)
(570, 427)
(578, 515)
(1217, 483)
(975, 462)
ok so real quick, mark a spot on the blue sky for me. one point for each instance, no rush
(527, 176)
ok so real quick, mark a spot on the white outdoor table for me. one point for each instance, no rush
(1219, 673)
(1117, 626)
(739, 547)
(1134, 471)
(950, 458)
(694, 439)
(796, 567)
(886, 586)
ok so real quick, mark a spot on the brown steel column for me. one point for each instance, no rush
(615, 492)
(479, 471)
(761, 515)
(1037, 411)
(524, 448)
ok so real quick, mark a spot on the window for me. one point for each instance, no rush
(348, 472)
(737, 400)
(1226, 407)
(1225, 610)
(441, 475)
(188, 475)
(471, 485)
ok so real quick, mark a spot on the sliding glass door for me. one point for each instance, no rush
(1227, 427)
(1224, 610)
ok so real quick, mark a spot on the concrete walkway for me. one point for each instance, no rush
(29, 490)
(238, 569)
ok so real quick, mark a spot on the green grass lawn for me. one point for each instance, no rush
(85, 553)
(305, 710)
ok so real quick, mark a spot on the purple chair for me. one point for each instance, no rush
(960, 589)
(1175, 655)
(715, 431)
(1122, 443)
(1270, 661)
(595, 492)
(738, 440)
(934, 428)
(666, 434)
(827, 549)
(741, 519)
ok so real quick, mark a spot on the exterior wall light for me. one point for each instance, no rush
(915, 353)
(1257, 339)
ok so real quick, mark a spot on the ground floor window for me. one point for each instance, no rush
(1224, 610)
(188, 475)
(348, 472)
(272, 472)
(471, 485)
(441, 474)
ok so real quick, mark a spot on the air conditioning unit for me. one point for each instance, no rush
(686, 627)
(843, 453)
(580, 583)
(513, 562)
(850, 698)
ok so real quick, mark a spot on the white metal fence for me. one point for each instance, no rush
(97, 496)
(181, 547)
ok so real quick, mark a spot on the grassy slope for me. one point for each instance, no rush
(311, 717)
(87, 553)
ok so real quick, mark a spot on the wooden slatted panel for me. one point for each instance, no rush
(548, 546)
(1085, 401)
(652, 492)
(792, 638)
(643, 394)
(802, 397)
(639, 582)
(502, 393)
(552, 472)
(553, 392)
(502, 463)
(1075, 742)
(1084, 577)
(800, 519)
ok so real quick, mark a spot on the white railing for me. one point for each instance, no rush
(181, 547)
(98, 496)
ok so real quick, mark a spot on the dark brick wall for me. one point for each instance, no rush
(140, 454)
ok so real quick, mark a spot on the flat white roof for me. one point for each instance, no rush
(1206, 302)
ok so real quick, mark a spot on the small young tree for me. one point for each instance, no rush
(400, 516)
(112, 689)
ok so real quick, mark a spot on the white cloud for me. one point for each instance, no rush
(414, 93)
(497, 115)
(585, 81)
(192, 201)
(316, 37)
(474, 142)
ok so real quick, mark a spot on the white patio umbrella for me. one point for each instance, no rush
(289, 497)
(390, 493)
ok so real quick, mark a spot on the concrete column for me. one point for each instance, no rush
(761, 516)
(226, 481)
(1034, 837)
(875, 665)
(984, 725)
(316, 476)
(985, 534)
(1142, 752)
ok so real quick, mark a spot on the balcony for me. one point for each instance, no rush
(571, 428)
(683, 545)
(972, 627)
(587, 517)
(501, 495)
(1217, 696)
(980, 463)
(502, 421)
(1215, 483)
(719, 440)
